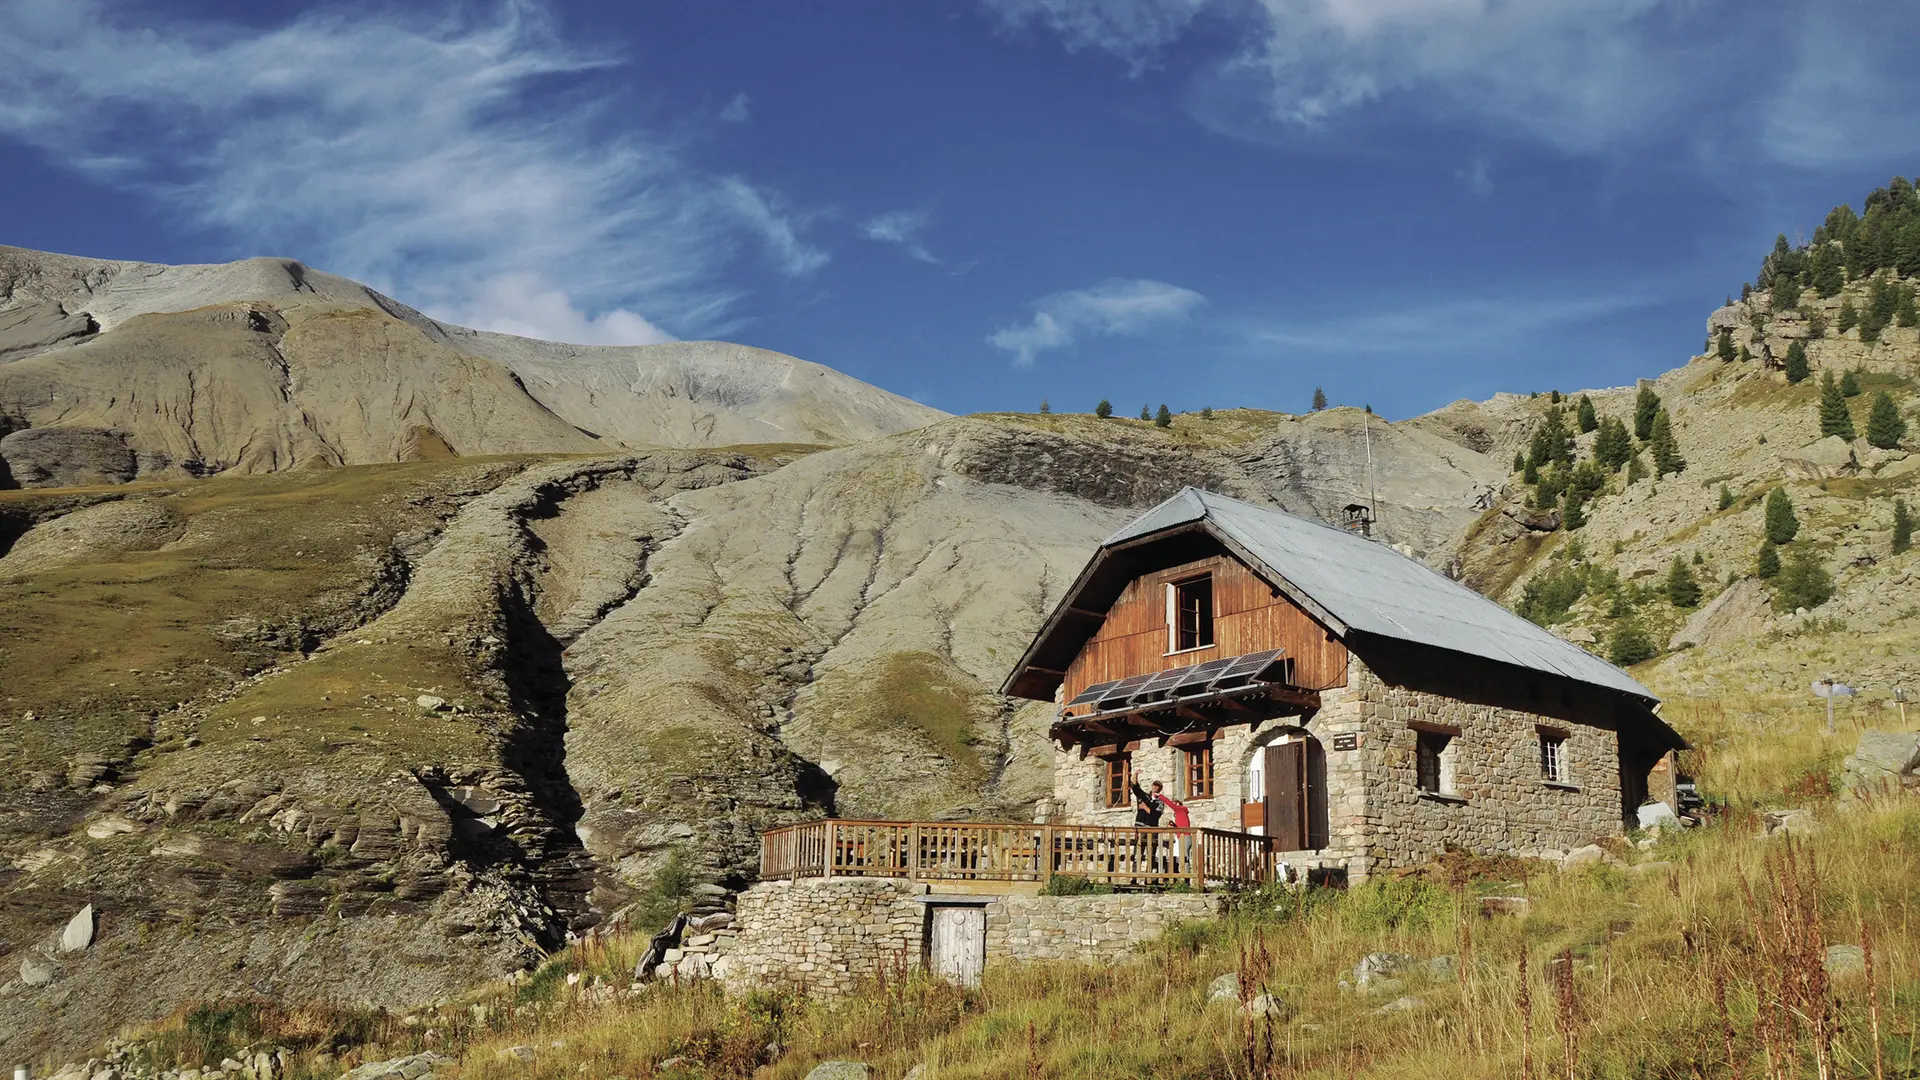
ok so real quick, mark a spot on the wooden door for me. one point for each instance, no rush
(959, 948)
(1286, 769)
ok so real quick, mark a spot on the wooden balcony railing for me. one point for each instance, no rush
(966, 852)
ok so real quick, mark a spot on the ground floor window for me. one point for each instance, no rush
(1434, 762)
(1118, 780)
(1198, 760)
(1554, 767)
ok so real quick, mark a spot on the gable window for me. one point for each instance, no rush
(1117, 779)
(1433, 762)
(1555, 768)
(1190, 614)
(1198, 770)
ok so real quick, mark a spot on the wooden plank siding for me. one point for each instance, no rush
(1248, 617)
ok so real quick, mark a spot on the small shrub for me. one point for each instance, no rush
(1075, 885)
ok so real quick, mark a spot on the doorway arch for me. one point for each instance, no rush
(1286, 773)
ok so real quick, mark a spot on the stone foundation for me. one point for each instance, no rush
(1089, 929)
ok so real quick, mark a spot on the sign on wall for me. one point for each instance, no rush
(1349, 741)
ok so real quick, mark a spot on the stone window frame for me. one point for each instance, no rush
(1556, 757)
(1441, 742)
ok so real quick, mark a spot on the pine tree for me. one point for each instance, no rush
(1848, 318)
(1885, 428)
(1905, 313)
(1519, 461)
(1530, 474)
(1146, 413)
(1612, 446)
(1825, 270)
(1645, 407)
(1206, 412)
(1786, 291)
(1666, 453)
(1767, 566)
(1045, 409)
(1725, 348)
(1629, 643)
(1850, 383)
(1587, 420)
(1782, 524)
(1163, 418)
(1636, 470)
(1682, 590)
(1726, 497)
(1104, 409)
(1573, 514)
(1834, 417)
(1554, 397)
(1797, 369)
(1319, 399)
(1803, 583)
(1902, 526)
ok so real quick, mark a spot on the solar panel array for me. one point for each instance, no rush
(1175, 684)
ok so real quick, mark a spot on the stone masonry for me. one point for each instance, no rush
(1090, 929)
(824, 936)
(1377, 818)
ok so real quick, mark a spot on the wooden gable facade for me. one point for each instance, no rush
(1248, 616)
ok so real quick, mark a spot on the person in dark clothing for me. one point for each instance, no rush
(1146, 808)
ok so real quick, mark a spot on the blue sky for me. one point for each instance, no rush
(983, 203)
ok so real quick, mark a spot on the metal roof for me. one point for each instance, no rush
(1357, 584)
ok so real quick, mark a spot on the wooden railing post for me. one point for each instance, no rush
(911, 862)
(833, 848)
(1197, 851)
(1046, 855)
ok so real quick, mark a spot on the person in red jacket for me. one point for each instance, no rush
(1181, 820)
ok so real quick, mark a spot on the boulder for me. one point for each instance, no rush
(1226, 988)
(79, 931)
(1266, 1005)
(110, 826)
(1845, 960)
(841, 1070)
(1795, 822)
(1515, 906)
(1378, 971)
(1586, 856)
(1656, 815)
(36, 970)
(1883, 761)
(431, 702)
(1825, 459)
(1401, 1004)
(1739, 611)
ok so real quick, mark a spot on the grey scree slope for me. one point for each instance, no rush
(1373, 589)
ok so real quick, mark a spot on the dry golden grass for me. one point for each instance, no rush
(1700, 961)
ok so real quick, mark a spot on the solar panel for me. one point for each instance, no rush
(1093, 693)
(1201, 675)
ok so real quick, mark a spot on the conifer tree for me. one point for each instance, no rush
(1726, 497)
(1146, 413)
(1530, 474)
(1904, 313)
(1786, 291)
(1666, 453)
(1586, 417)
(1885, 428)
(1834, 417)
(1319, 399)
(1104, 409)
(1767, 566)
(1163, 418)
(1519, 461)
(1554, 397)
(1850, 383)
(1725, 348)
(1682, 590)
(1045, 409)
(1803, 582)
(1573, 514)
(1629, 643)
(1636, 469)
(1825, 270)
(1782, 524)
(1848, 318)
(1612, 446)
(1645, 406)
(1797, 369)
(1206, 412)
(1902, 526)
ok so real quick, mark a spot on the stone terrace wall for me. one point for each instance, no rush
(1093, 929)
(824, 936)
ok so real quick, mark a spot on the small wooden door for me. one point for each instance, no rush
(1286, 774)
(959, 946)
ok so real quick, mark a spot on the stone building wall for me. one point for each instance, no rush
(1090, 929)
(825, 936)
(1500, 803)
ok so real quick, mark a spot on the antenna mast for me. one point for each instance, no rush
(1366, 428)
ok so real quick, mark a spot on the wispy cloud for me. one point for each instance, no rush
(463, 161)
(1111, 308)
(737, 111)
(901, 227)
(1477, 176)
(1448, 326)
(1583, 76)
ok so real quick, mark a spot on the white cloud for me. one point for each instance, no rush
(760, 211)
(901, 227)
(1111, 308)
(1583, 76)
(443, 155)
(738, 111)
(1477, 176)
(1444, 326)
